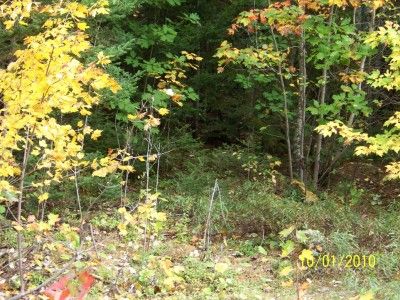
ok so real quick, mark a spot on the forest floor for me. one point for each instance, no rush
(259, 237)
(174, 269)
(176, 266)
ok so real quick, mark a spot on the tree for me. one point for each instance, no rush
(44, 83)
(389, 140)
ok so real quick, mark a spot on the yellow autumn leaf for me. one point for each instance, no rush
(169, 282)
(82, 26)
(378, 3)
(35, 152)
(122, 229)
(151, 122)
(96, 134)
(87, 130)
(367, 296)
(132, 117)
(285, 271)
(126, 168)
(122, 210)
(52, 219)
(94, 164)
(17, 226)
(152, 157)
(43, 197)
(42, 143)
(287, 283)
(77, 10)
(162, 217)
(9, 24)
(338, 3)
(102, 172)
(128, 158)
(103, 59)
(163, 111)
(49, 23)
(221, 267)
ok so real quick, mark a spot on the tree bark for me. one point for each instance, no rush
(285, 107)
(362, 65)
(301, 111)
(321, 101)
(19, 211)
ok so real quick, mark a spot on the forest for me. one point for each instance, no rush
(199, 149)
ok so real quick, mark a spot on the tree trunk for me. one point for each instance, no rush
(285, 107)
(321, 101)
(319, 137)
(362, 65)
(301, 111)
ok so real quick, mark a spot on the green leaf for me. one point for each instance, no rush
(286, 232)
(301, 236)
(261, 250)
(287, 248)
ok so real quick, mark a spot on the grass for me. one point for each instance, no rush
(246, 221)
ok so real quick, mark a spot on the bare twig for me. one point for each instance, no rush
(19, 212)
(78, 197)
(158, 169)
(208, 220)
(93, 240)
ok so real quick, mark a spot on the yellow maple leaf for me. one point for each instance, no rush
(163, 111)
(132, 117)
(9, 24)
(377, 4)
(285, 271)
(82, 26)
(338, 3)
(102, 172)
(151, 122)
(17, 226)
(96, 134)
(122, 229)
(35, 152)
(42, 143)
(52, 219)
(103, 59)
(287, 283)
(43, 197)
(367, 296)
(122, 210)
(77, 10)
(162, 217)
(126, 168)
(221, 267)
